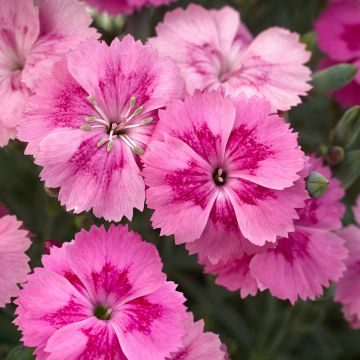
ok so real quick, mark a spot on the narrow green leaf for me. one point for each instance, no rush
(347, 132)
(332, 78)
(20, 353)
(349, 169)
(310, 40)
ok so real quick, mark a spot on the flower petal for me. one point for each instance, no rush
(154, 323)
(115, 266)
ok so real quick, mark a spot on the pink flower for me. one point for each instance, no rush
(302, 264)
(14, 241)
(348, 287)
(199, 345)
(215, 51)
(102, 296)
(32, 38)
(219, 172)
(114, 7)
(92, 118)
(338, 36)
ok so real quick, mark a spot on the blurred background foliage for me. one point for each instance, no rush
(260, 328)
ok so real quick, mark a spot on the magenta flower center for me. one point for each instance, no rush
(103, 312)
(219, 177)
(119, 128)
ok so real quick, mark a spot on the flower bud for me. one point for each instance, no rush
(316, 184)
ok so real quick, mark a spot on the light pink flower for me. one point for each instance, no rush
(302, 264)
(219, 172)
(14, 241)
(199, 345)
(92, 118)
(348, 287)
(32, 38)
(114, 7)
(215, 51)
(102, 296)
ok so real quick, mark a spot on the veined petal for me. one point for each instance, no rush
(95, 257)
(152, 323)
(180, 189)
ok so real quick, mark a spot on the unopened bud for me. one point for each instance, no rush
(316, 184)
(335, 155)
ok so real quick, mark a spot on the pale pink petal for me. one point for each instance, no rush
(152, 323)
(273, 161)
(48, 302)
(115, 266)
(272, 66)
(63, 26)
(6, 134)
(264, 214)
(338, 30)
(92, 177)
(197, 344)
(203, 43)
(300, 266)
(14, 241)
(348, 287)
(235, 275)
(180, 189)
(91, 339)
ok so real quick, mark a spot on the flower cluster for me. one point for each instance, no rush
(190, 123)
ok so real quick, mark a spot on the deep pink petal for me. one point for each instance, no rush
(180, 189)
(91, 339)
(115, 266)
(261, 147)
(338, 30)
(154, 323)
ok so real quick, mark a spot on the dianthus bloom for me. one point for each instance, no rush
(199, 345)
(215, 51)
(356, 210)
(91, 119)
(32, 38)
(297, 266)
(219, 172)
(102, 296)
(115, 7)
(348, 287)
(338, 30)
(14, 241)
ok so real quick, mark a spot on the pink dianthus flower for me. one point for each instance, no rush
(302, 264)
(220, 172)
(215, 51)
(102, 296)
(348, 287)
(338, 29)
(199, 345)
(32, 38)
(91, 119)
(14, 241)
(115, 7)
